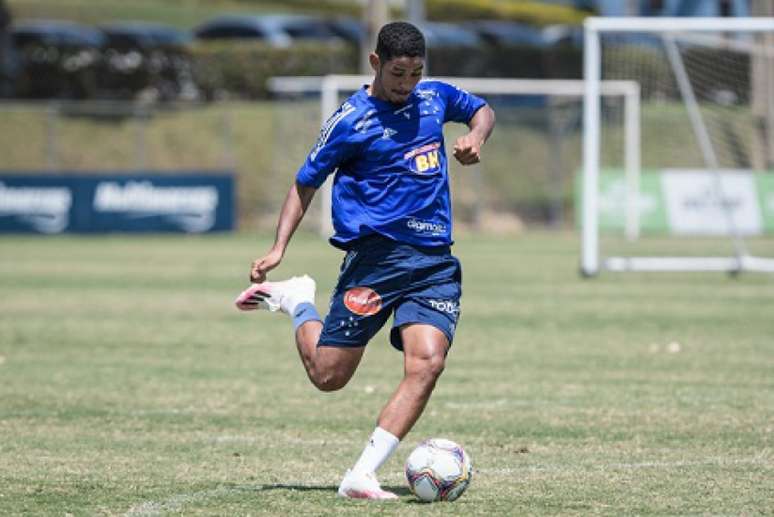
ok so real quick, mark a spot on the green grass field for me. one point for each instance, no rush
(130, 386)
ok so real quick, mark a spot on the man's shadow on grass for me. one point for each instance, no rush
(399, 490)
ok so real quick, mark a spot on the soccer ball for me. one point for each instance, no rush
(438, 470)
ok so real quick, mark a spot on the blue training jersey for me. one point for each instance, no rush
(391, 168)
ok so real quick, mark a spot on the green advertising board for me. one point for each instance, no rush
(765, 184)
(686, 201)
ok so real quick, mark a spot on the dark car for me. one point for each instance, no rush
(453, 50)
(276, 30)
(140, 57)
(8, 64)
(56, 58)
(437, 34)
(349, 29)
(504, 33)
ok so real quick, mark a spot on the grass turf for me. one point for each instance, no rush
(129, 385)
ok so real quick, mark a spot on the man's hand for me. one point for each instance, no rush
(467, 149)
(263, 265)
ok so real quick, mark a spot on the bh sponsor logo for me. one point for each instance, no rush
(191, 208)
(45, 209)
(363, 301)
(425, 159)
(426, 227)
(447, 306)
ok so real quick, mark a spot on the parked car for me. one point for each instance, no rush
(8, 64)
(276, 30)
(504, 33)
(349, 29)
(146, 58)
(453, 50)
(56, 58)
(439, 34)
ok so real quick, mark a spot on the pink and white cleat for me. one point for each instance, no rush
(277, 296)
(363, 486)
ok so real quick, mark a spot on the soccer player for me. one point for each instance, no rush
(392, 216)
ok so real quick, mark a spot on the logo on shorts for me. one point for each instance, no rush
(363, 301)
(447, 306)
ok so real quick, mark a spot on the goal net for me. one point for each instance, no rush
(704, 198)
(527, 173)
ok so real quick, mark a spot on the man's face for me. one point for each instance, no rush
(397, 78)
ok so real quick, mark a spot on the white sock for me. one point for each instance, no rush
(380, 447)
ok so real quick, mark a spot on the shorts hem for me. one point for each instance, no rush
(395, 331)
(341, 344)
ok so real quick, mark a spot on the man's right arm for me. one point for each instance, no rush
(293, 210)
(333, 147)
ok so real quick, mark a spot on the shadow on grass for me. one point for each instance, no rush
(399, 490)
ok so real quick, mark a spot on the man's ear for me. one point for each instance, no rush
(373, 59)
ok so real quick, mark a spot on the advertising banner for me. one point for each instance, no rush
(688, 201)
(766, 200)
(704, 203)
(185, 202)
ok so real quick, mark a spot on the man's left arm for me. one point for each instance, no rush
(467, 148)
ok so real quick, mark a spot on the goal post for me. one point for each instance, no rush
(332, 87)
(682, 73)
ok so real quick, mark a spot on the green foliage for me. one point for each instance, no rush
(179, 13)
(243, 67)
(330, 7)
(531, 12)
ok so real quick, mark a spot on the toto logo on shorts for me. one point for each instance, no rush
(363, 301)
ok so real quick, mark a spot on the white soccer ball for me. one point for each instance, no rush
(438, 470)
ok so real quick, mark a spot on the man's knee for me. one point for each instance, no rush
(436, 365)
(329, 380)
(428, 368)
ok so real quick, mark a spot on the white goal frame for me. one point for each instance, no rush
(591, 261)
(331, 86)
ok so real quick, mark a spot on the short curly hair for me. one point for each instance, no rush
(399, 39)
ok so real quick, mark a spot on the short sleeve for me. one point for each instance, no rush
(460, 104)
(332, 148)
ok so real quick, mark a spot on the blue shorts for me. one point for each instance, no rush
(380, 277)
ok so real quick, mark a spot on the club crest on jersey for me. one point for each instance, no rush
(404, 111)
(363, 301)
(425, 159)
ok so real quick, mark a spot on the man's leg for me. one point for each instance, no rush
(424, 356)
(329, 368)
(424, 348)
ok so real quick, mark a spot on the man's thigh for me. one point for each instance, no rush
(339, 362)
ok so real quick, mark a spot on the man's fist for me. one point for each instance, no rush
(263, 265)
(467, 149)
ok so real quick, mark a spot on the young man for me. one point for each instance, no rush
(392, 215)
